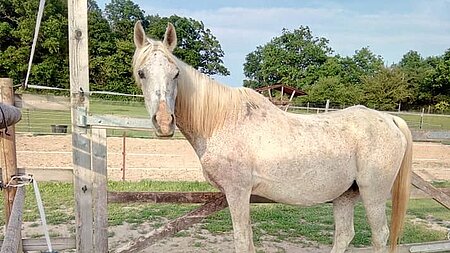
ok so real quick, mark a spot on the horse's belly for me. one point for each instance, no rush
(304, 187)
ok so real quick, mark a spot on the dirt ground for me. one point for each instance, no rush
(170, 160)
(173, 160)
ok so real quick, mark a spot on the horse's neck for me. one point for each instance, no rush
(190, 77)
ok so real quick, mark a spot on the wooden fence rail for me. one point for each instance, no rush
(13, 236)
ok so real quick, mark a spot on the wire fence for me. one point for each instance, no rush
(51, 118)
(416, 120)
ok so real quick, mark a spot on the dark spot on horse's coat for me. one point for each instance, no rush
(141, 74)
(395, 122)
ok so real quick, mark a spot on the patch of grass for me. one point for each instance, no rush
(441, 184)
(282, 222)
(147, 185)
(182, 233)
(34, 224)
(198, 244)
(430, 122)
(54, 234)
(428, 209)
(36, 235)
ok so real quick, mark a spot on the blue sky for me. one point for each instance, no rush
(389, 28)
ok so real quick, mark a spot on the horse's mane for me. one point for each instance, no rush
(202, 104)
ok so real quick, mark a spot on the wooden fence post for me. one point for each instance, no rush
(8, 146)
(8, 152)
(81, 142)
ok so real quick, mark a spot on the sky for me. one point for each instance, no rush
(389, 28)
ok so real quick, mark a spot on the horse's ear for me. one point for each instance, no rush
(140, 39)
(170, 37)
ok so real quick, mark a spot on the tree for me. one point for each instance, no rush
(17, 22)
(332, 88)
(416, 70)
(292, 58)
(122, 15)
(385, 89)
(438, 81)
(363, 63)
(197, 46)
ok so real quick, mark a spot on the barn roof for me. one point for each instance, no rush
(286, 89)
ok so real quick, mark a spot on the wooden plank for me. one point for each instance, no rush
(83, 187)
(13, 235)
(176, 225)
(434, 193)
(79, 90)
(437, 247)
(173, 197)
(118, 122)
(11, 115)
(8, 148)
(39, 244)
(99, 167)
(50, 174)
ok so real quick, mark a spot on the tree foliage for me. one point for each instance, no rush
(110, 43)
(197, 46)
(17, 23)
(293, 59)
(306, 62)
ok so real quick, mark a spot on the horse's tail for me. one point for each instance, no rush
(401, 187)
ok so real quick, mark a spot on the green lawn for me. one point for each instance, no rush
(283, 222)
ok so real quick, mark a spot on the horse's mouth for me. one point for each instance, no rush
(164, 135)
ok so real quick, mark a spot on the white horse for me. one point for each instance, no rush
(246, 145)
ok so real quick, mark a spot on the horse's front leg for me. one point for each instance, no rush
(239, 203)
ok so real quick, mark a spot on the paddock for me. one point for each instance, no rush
(89, 158)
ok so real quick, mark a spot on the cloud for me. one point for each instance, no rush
(390, 32)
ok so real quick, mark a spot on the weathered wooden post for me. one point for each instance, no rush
(9, 116)
(89, 155)
(9, 159)
(81, 146)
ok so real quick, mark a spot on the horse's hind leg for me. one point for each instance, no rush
(343, 210)
(374, 201)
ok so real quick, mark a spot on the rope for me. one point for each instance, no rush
(36, 33)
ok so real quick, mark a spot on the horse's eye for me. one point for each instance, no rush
(141, 74)
(176, 76)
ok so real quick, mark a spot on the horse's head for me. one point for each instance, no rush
(156, 72)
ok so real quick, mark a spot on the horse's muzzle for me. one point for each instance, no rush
(164, 121)
(166, 129)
